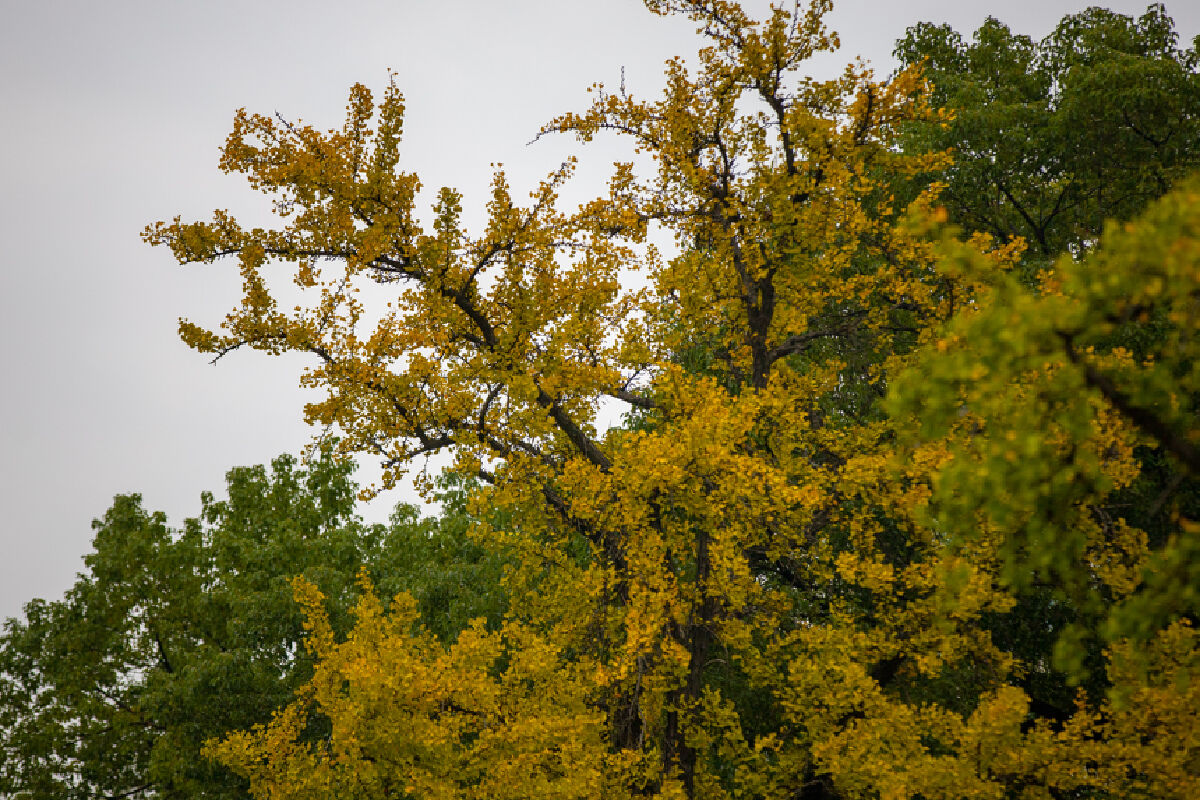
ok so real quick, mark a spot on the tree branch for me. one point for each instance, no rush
(1145, 419)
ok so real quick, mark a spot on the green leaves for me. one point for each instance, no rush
(1053, 138)
(1045, 412)
(171, 637)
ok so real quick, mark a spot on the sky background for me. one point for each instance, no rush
(114, 114)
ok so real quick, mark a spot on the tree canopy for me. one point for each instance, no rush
(770, 581)
(903, 502)
(172, 637)
(1053, 138)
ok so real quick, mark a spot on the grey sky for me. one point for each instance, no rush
(114, 113)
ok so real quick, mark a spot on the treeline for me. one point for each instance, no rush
(905, 504)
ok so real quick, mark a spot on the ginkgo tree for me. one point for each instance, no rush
(741, 592)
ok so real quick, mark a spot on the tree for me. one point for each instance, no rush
(1053, 138)
(172, 637)
(746, 584)
(453, 578)
(492, 715)
(1059, 410)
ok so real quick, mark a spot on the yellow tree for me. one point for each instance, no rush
(741, 581)
(492, 716)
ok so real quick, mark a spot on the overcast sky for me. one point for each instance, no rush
(113, 116)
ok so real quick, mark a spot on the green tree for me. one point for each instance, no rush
(453, 577)
(171, 637)
(1049, 394)
(1053, 138)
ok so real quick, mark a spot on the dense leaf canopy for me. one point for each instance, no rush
(171, 637)
(899, 509)
(1053, 138)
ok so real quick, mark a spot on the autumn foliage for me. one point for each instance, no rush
(860, 534)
